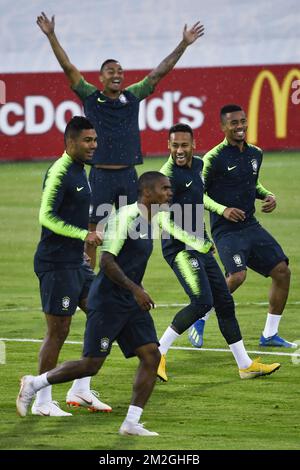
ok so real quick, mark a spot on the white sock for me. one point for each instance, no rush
(167, 340)
(44, 395)
(81, 385)
(240, 354)
(134, 414)
(40, 381)
(272, 324)
(207, 315)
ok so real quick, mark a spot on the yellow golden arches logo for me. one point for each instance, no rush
(280, 96)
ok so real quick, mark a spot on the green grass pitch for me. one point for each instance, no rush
(204, 405)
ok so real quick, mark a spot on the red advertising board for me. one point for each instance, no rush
(34, 108)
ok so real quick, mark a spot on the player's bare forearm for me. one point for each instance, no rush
(189, 37)
(115, 273)
(70, 70)
(59, 52)
(48, 28)
(168, 63)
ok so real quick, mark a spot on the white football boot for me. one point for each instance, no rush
(87, 399)
(135, 429)
(51, 408)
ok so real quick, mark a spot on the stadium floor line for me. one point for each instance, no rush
(180, 348)
(158, 305)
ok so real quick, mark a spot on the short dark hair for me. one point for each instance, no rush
(181, 128)
(75, 126)
(107, 62)
(148, 180)
(229, 108)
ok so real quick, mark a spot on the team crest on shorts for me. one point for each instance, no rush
(194, 262)
(65, 302)
(237, 259)
(254, 165)
(104, 343)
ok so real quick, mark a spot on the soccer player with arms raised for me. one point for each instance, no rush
(114, 114)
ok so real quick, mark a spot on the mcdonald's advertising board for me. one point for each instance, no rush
(34, 108)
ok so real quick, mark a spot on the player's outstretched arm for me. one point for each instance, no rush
(47, 27)
(189, 37)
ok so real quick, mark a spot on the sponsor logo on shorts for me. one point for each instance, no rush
(104, 344)
(194, 263)
(237, 259)
(65, 302)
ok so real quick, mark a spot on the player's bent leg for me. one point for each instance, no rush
(235, 280)
(57, 332)
(149, 357)
(180, 323)
(279, 291)
(80, 394)
(145, 378)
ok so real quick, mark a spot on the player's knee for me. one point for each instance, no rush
(236, 279)
(200, 306)
(59, 333)
(92, 365)
(281, 272)
(225, 307)
(150, 356)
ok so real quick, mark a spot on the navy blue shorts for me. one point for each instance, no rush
(111, 187)
(252, 246)
(131, 329)
(201, 277)
(63, 289)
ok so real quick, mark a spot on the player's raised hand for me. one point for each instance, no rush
(45, 24)
(190, 35)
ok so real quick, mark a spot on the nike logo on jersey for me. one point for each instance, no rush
(187, 185)
(229, 168)
(144, 235)
(79, 189)
(101, 101)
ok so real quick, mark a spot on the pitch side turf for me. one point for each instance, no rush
(204, 405)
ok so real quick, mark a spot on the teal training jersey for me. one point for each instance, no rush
(64, 214)
(231, 179)
(187, 187)
(128, 237)
(115, 121)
